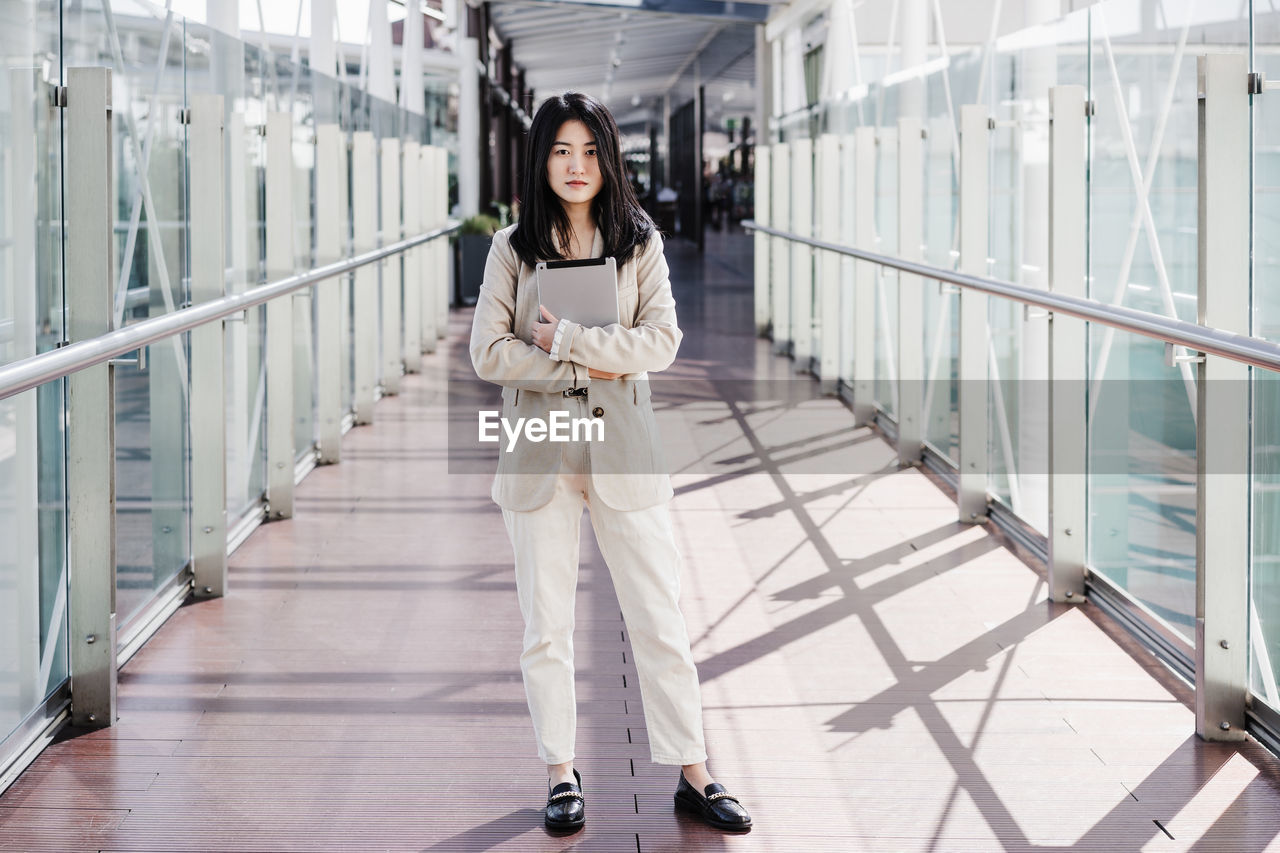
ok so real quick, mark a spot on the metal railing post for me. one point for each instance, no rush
(392, 348)
(1068, 347)
(910, 293)
(828, 307)
(975, 332)
(1222, 405)
(331, 173)
(208, 362)
(280, 260)
(801, 255)
(412, 354)
(761, 213)
(91, 451)
(364, 291)
(845, 266)
(864, 276)
(780, 253)
(440, 202)
(427, 264)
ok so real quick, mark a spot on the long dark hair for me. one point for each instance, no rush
(623, 223)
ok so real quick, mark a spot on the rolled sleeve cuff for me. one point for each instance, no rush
(555, 342)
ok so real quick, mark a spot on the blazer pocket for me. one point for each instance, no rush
(640, 391)
(510, 395)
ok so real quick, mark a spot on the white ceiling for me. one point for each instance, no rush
(566, 46)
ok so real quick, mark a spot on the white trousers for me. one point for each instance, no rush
(640, 551)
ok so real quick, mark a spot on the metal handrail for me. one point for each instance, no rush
(47, 366)
(1201, 339)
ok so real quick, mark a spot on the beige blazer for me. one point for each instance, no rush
(627, 468)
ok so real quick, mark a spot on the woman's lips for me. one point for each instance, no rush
(577, 183)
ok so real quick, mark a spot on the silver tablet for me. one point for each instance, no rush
(584, 291)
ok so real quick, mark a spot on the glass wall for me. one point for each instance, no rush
(159, 62)
(1136, 62)
(33, 569)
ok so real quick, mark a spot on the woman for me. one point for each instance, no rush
(576, 203)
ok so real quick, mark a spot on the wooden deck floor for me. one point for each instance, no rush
(875, 676)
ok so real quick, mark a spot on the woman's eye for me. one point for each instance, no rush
(592, 152)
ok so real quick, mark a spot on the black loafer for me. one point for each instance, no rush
(717, 807)
(566, 808)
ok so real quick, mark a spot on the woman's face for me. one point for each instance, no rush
(572, 168)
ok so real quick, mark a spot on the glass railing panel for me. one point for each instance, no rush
(1022, 68)
(33, 568)
(1265, 591)
(1143, 254)
(145, 49)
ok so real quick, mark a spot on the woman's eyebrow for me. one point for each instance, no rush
(567, 145)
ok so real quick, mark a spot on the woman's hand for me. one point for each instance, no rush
(545, 332)
(600, 374)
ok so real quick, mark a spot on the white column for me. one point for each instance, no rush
(975, 333)
(331, 174)
(392, 347)
(324, 53)
(223, 15)
(412, 354)
(91, 452)
(915, 52)
(1222, 405)
(364, 213)
(910, 295)
(240, 403)
(280, 379)
(412, 96)
(801, 254)
(468, 127)
(208, 364)
(864, 288)
(780, 253)
(381, 64)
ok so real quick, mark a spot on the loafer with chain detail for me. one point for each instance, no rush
(716, 806)
(566, 807)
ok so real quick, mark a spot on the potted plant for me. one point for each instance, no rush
(472, 247)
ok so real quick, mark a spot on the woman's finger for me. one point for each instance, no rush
(547, 316)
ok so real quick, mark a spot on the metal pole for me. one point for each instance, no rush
(412, 354)
(280, 379)
(780, 249)
(827, 312)
(864, 282)
(208, 364)
(392, 348)
(429, 280)
(331, 173)
(762, 179)
(910, 293)
(365, 289)
(91, 452)
(801, 255)
(975, 137)
(441, 201)
(1068, 347)
(1222, 405)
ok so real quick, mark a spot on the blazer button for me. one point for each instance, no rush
(597, 412)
